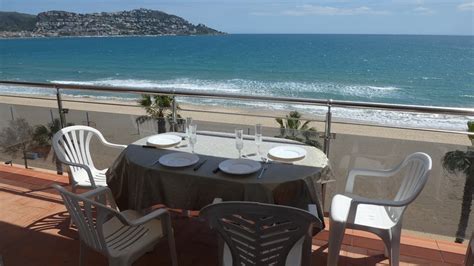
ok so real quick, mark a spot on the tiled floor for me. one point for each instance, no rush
(34, 231)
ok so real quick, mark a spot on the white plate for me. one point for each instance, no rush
(178, 159)
(287, 153)
(164, 140)
(239, 166)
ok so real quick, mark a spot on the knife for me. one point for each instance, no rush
(261, 172)
(148, 147)
(199, 165)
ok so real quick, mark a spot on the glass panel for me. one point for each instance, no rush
(436, 212)
(438, 208)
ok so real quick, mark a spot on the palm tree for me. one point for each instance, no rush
(42, 136)
(463, 161)
(293, 128)
(157, 108)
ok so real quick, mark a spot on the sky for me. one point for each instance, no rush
(437, 17)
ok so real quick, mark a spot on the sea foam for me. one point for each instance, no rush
(273, 88)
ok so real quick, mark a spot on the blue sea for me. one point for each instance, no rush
(404, 69)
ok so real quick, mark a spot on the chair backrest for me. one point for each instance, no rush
(72, 144)
(260, 234)
(417, 168)
(89, 216)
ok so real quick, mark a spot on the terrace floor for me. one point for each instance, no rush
(34, 231)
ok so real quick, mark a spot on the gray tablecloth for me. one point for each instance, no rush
(137, 184)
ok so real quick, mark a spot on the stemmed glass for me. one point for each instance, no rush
(258, 137)
(239, 141)
(189, 121)
(192, 136)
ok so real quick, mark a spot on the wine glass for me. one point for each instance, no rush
(258, 137)
(192, 136)
(239, 141)
(189, 121)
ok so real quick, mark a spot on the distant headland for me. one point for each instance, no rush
(123, 23)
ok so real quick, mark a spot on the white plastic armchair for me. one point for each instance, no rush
(121, 236)
(72, 148)
(379, 216)
(251, 233)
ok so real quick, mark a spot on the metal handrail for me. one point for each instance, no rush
(292, 100)
(289, 100)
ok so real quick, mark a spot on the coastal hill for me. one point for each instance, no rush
(62, 23)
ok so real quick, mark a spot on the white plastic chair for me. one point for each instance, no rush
(257, 234)
(381, 217)
(121, 236)
(72, 148)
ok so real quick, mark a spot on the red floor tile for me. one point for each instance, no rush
(34, 228)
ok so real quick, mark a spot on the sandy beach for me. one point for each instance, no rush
(244, 116)
(435, 213)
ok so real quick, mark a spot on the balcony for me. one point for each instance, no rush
(34, 222)
(34, 225)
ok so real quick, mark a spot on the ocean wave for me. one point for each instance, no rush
(286, 88)
(468, 95)
(273, 88)
(370, 116)
(431, 78)
(184, 83)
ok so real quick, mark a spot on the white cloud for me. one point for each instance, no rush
(306, 10)
(258, 13)
(423, 11)
(466, 7)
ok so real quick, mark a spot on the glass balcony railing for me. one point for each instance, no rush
(441, 211)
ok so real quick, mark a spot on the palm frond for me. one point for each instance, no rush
(456, 161)
(470, 128)
(143, 118)
(280, 122)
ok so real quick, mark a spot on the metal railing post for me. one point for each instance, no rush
(51, 114)
(327, 144)
(327, 129)
(174, 114)
(87, 119)
(62, 119)
(11, 112)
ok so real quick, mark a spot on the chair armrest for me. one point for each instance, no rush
(95, 192)
(152, 215)
(366, 172)
(92, 194)
(356, 200)
(113, 145)
(83, 166)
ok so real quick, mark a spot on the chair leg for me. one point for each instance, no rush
(172, 245)
(82, 253)
(336, 235)
(171, 241)
(118, 262)
(391, 239)
(394, 251)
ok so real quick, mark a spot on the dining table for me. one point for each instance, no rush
(138, 181)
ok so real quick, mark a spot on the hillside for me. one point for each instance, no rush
(14, 21)
(134, 22)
